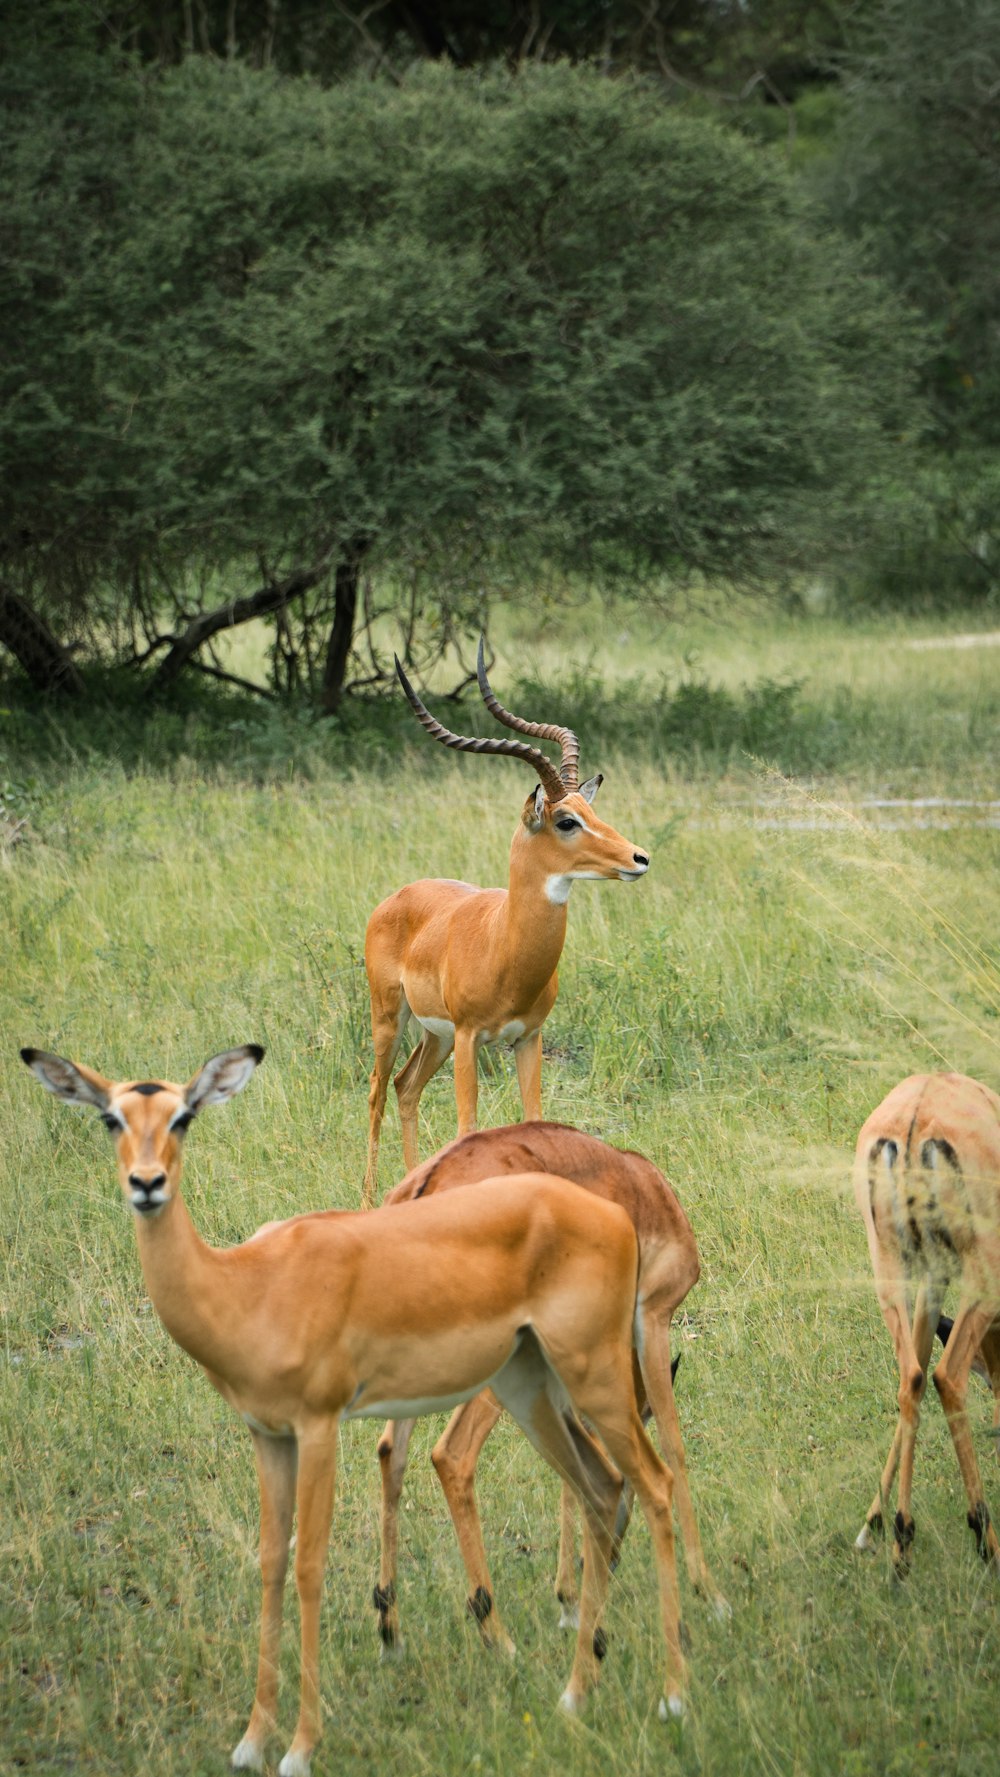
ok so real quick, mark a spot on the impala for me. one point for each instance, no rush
(476, 966)
(668, 1269)
(927, 1180)
(527, 1285)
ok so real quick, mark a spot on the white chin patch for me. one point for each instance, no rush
(557, 889)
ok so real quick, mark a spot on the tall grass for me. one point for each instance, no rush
(734, 1015)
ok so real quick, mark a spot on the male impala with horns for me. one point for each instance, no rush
(476, 966)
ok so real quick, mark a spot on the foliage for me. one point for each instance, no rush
(436, 325)
(917, 172)
(735, 1015)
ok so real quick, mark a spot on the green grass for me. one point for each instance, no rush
(201, 877)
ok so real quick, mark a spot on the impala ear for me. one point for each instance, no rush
(222, 1077)
(533, 812)
(589, 790)
(77, 1085)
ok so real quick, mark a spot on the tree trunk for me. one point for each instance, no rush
(345, 604)
(47, 663)
(208, 623)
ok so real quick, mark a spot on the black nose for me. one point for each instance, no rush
(149, 1185)
(640, 857)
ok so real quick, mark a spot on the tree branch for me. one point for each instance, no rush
(262, 603)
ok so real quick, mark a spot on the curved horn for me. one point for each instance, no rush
(569, 770)
(555, 788)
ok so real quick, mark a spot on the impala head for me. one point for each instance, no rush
(147, 1117)
(575, 844)
(578, 843)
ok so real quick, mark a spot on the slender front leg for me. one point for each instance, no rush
(466, 1079)
(455, 1456)
(276, 1466)
(392, 1448)
(528, 1061)
(317, 1447)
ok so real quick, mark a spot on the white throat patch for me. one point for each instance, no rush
(557, 889)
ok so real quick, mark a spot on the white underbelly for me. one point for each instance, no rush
(444, 1030)
(411, 1409)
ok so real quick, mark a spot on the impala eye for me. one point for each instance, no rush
(567, 826)
(112, 1123)
(180, 1122)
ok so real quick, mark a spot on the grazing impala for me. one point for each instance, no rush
(476, 966)
(668, 1269)
(527, 1285)
(927, 1180)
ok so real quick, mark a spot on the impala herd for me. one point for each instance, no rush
(548, 1290)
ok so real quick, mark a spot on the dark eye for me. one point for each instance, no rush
(567, 826)
(180, 1123)
(111, 1123)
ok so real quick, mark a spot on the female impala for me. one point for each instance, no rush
(668, 1269)
(476, 966)
(927, 1181)
(527, 1285)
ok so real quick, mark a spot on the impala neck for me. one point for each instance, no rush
(185, 1287)
(536, 926)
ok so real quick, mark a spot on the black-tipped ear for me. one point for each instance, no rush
(77, 1085)
(589, 790)
(223, 1076)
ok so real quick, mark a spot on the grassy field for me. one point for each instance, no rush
(189, 880)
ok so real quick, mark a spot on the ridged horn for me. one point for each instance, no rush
(569, 770)
(555, 788)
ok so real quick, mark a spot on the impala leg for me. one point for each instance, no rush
(317, 1453)
(989, 1352)
(528, 1061)
(276, 1466)
(912, 1383)
(608, 1399)
(658, 1381)
(389, 1021)
(951, 1379)
(566, 1591)
(533, 1394)
(410, 1082)
(455, 1456)
(466, 1079)
(912, 1379)
(393, 1446)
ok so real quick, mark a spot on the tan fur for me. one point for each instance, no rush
(479, 960)
(528, 1282)
(668, 1269)
(927, 1182)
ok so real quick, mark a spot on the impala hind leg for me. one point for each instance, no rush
(455, 1456)
(951, 1379)
(424, 1062)
(608, 1401)
(390, 1015)
(393, 1446)
(658, 1380)
(567, 1596)
(276, 1473)
(912, 1363)
(532, 1392)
